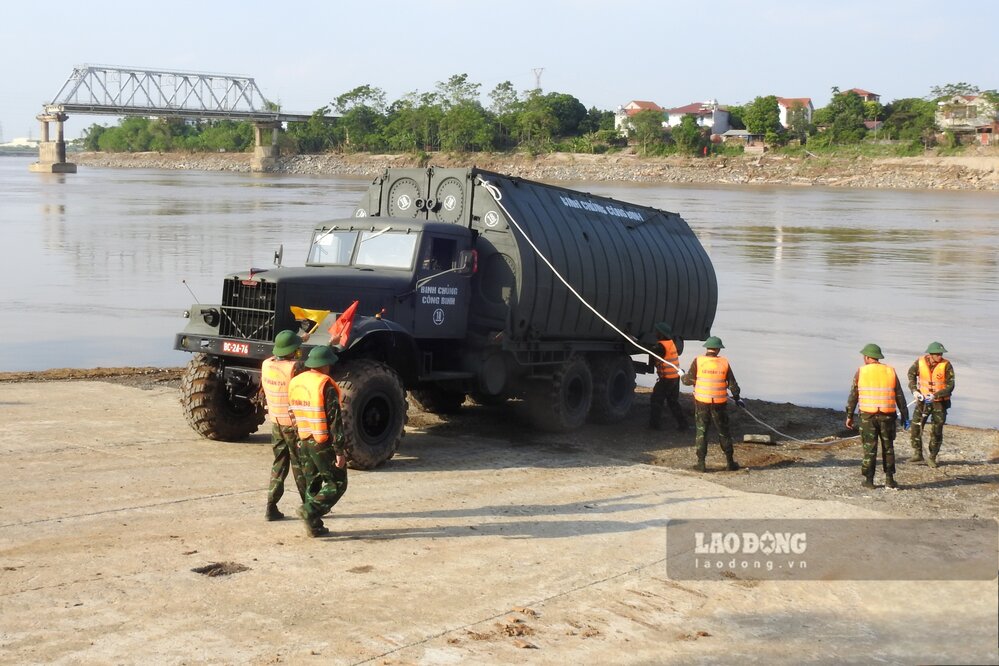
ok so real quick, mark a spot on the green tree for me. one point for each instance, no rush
(362, 96)
(736, 113)
(466, 126)
(596, 120)
(316, 135)
(536, 124)
(798, 126)
(457, 90)
(505, 107)
(951, 89)
(688, 136)
(647, 129)
(762, 115)
(568, 111)
(92, 137)
(414, 123)
(845, 118)
(907, 119)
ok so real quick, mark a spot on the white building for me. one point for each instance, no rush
(706, 114)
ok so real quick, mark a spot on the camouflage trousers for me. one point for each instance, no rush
(704, 415)
(284, 440)
(934, 415)
(668, 390)
(875, 428)
(325, 483)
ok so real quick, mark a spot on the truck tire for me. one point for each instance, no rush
(208, 407)
(374, 411)
(561, 403)
(436, 400)
(613, 388)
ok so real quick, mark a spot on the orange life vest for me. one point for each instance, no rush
(931, 381)
(711, 385)
(307, 401)
(876, 389)
(275, 374)
(669, 353)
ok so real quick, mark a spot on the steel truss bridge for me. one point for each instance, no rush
(122, 91)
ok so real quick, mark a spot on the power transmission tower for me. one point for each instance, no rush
(537, 77)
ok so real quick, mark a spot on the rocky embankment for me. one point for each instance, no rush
(978, 170)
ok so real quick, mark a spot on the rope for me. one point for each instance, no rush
(497, 195)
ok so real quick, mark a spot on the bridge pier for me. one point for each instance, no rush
(52, 154)
(264, 156)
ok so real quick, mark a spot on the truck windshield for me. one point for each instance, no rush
(383, 248)
(386, 249)
(333, 247)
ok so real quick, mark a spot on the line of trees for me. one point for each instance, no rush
(452, 118)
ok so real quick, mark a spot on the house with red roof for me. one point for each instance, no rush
(785, 104)
(706, 114)
(625, 112)
(865, 95)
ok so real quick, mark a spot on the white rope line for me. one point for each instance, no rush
(806, 441)
(497, 195)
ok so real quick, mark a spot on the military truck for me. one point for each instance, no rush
(455, 301)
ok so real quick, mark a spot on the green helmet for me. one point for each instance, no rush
(936, 348)
(872, 351)
(714, 342)
(664, 329)
(286, 342)
(320, 357)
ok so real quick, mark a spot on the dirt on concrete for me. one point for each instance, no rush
(483, 541)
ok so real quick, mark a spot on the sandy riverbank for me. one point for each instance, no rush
(482, 541)
(978, 169)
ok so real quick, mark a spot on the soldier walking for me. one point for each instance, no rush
(878, 393)
(712, 379)
(275, 374)
(315, 408)
(931, 380)
(668, 383)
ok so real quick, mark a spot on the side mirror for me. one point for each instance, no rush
(279, 255)
(468, 262)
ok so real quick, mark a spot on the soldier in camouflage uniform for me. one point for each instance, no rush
(931, 380)
(878, 393)
(275, 374)
(315, 408)
(712, 378)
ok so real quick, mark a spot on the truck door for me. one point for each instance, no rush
(443, 275)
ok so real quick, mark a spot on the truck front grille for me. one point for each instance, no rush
(248, 310)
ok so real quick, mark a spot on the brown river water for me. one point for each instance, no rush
(95, 264)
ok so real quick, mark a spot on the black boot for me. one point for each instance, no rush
(868, 481)
(273, 513)
(890, 481)
(699, 467)
(730, 462)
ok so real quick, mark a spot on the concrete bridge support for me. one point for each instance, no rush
(52, 154)
(265, 156)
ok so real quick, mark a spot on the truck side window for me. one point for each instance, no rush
(440, 256)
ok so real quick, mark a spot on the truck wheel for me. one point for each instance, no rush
(436, 400)
(374, 411)
(613, 388)
(208, 406)
(561, 403)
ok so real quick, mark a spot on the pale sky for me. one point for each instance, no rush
(304, 54)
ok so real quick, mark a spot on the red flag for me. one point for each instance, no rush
(341, 327)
